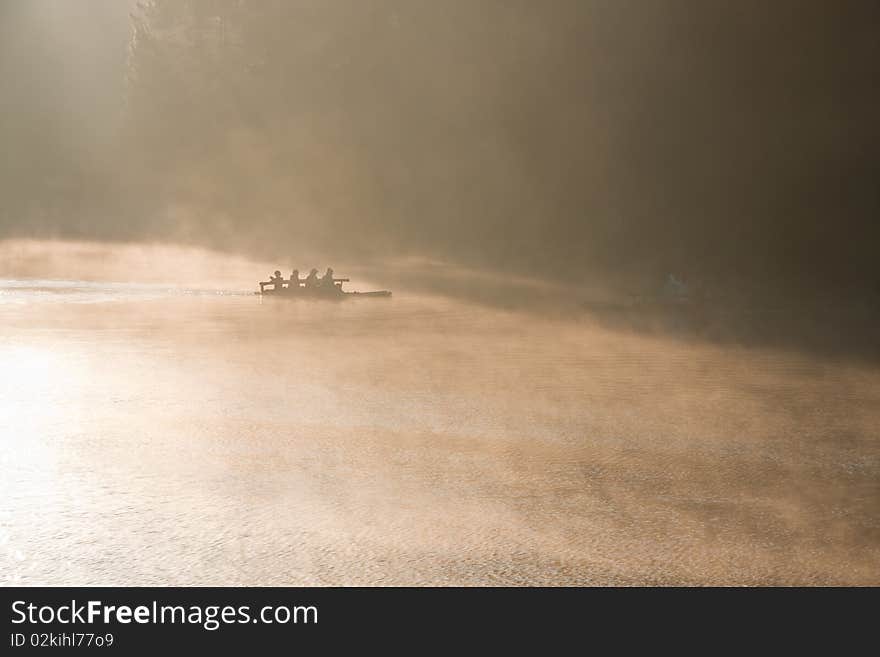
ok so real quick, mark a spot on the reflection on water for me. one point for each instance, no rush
(152, 435)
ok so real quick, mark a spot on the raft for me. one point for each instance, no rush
(319, 293)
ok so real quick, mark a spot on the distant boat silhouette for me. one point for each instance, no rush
(305, 289)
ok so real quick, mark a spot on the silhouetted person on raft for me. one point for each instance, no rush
(276, 281)
(312, 279)
(327, 283)
(293, 285)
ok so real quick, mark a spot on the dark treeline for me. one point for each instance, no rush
(728, 141)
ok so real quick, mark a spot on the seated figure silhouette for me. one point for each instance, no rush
(276, 281)
(312, 279)
(327, 280)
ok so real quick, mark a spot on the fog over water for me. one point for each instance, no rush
(632, 246)
(154, 434)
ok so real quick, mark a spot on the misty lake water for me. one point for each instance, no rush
(156, 435)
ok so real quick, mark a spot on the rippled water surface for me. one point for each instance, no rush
(156, 435)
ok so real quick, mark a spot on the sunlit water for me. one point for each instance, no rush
(157, 435)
